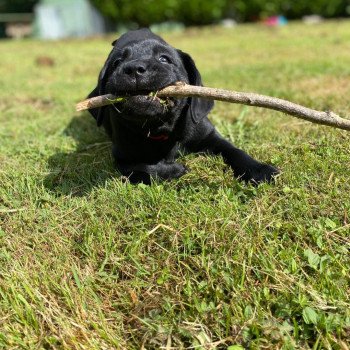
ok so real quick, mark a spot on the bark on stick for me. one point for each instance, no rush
(182, 90)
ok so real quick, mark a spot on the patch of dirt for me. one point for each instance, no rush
(45, 61)
(42, 104)
(324, 86)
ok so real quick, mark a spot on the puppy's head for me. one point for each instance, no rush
(140, 63)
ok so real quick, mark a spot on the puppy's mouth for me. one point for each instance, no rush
(152, 98)
(145, 99)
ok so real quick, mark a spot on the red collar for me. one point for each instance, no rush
(161, 137)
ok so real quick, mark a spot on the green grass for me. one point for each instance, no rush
(88, 261)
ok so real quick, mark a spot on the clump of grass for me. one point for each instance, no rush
(166, 102)
(118, 100)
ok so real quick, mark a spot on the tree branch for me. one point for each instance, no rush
(182, 90)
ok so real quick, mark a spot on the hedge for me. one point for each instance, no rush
(198, 12)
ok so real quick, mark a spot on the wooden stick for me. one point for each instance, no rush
(182, 90)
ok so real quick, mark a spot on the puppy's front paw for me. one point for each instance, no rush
(137, 177)
(261, 173)
(176, 170)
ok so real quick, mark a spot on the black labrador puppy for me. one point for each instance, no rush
(147, 132)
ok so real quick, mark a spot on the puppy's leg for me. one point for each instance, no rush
(243, 165)
(143, 173)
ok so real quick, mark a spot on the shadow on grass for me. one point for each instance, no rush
(77, 173)
(91, 165)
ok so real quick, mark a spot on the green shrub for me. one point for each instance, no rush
(253, 9)
(197, 12)
(154, 11)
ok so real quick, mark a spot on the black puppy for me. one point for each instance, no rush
(147, 132)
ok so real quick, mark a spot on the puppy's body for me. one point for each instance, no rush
(147, 133)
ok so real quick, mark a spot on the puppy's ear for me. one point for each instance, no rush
(199, 108)
(98, 113)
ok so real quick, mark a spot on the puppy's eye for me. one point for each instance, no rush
(164, 59)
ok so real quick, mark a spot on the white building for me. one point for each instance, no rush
(56, 19)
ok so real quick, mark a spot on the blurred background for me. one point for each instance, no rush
(56, 19)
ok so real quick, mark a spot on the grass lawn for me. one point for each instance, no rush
(88, 261)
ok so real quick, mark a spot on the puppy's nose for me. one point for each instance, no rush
(135, 68)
